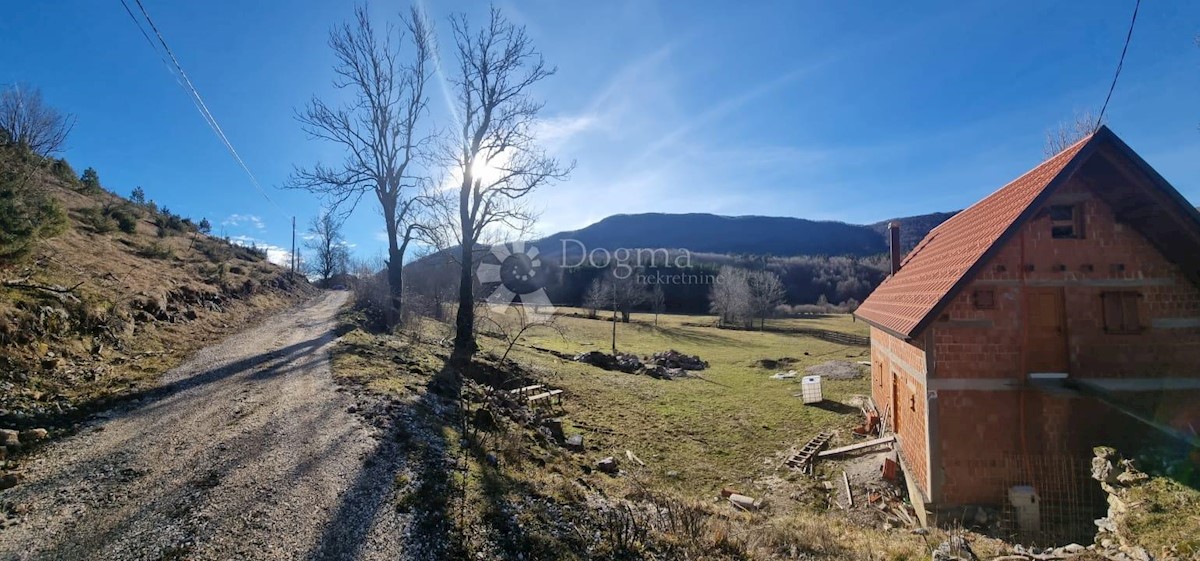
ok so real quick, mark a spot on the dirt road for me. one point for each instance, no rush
(249, 452)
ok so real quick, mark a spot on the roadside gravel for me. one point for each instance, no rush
(249, 452)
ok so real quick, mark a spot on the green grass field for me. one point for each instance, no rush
(727, 426)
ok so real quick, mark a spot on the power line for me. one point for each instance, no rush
(194, 93)
(1120, 63)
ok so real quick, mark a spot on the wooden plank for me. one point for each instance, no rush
(849, 494)
(520, 391)
(858, 446)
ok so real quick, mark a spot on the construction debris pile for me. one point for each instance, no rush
(836, 370)
(664, 365)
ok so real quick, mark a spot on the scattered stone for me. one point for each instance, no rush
(745, 503)
(1104, 471)
(608, 465)
(555, 426)
(9, 437)
(9, 480)
(492, 460)
(575, 443)
(954, 549)
(1130, 474)
(675, 359)
(33, 435)
(784, 375)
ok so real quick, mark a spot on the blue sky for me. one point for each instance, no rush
(854, 111)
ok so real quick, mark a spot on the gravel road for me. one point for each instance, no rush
(249, 452)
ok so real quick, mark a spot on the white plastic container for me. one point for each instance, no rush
(810, 389)
(1025, 500)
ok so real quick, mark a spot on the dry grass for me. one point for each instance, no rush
(728, 427)
(141, 304)
(1163, 514)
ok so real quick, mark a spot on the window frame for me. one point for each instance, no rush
(1075, 222)
(988, 303)
(1120, 311)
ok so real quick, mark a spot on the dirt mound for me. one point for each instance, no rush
(836, 370)
(775, 363)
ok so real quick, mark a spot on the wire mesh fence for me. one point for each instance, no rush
(1068, 500)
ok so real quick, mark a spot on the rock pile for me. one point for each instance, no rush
(621, 361)
(1116, 475)
(664, 365)
(11, 441)
(676, 359)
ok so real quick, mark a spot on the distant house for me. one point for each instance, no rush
(1018, 328)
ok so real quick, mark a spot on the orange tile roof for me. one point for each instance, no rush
(930, 273)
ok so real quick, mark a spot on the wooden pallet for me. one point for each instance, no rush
(803, 459)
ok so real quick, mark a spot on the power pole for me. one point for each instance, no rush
(293, 246)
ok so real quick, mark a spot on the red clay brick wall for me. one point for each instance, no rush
(981, 349)
(910, 391)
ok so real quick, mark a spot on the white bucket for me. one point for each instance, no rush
(810, 389)
(1025, 499)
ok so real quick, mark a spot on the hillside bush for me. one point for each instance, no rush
(89, 182)
(126, 220)
(27, 212)
(98, 220)
(157, 250)
(65, 173)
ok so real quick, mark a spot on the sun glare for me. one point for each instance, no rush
(486, 171)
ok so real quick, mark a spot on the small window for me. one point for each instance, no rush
(1066, 221)
(985, 299)
(1121, 312)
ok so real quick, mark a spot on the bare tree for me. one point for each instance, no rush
(379, 129)
(327, 247)
(766, 292)
(1069, 132)
(495, 158)
(593, 298)
(658, 302)
(729, 296)
(27, 122)
(623, 293)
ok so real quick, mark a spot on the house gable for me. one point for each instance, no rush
(952, 254)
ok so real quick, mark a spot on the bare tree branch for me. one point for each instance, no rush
(25, 121)
(379, 129)
(493, 154)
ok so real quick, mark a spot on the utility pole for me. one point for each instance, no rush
(293, 246)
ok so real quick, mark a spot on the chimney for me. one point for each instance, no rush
(894, 244)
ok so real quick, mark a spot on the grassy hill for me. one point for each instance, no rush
(115, 295)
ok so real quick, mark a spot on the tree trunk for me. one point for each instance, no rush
(464, 337)
(614, 328)
(395, 268)
(395, 278)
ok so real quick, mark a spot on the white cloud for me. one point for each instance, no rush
(281, 256)
(247, 219)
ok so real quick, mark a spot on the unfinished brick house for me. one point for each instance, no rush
(1059, 312)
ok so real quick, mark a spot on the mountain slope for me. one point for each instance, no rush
(710, 233)
(913, 228)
